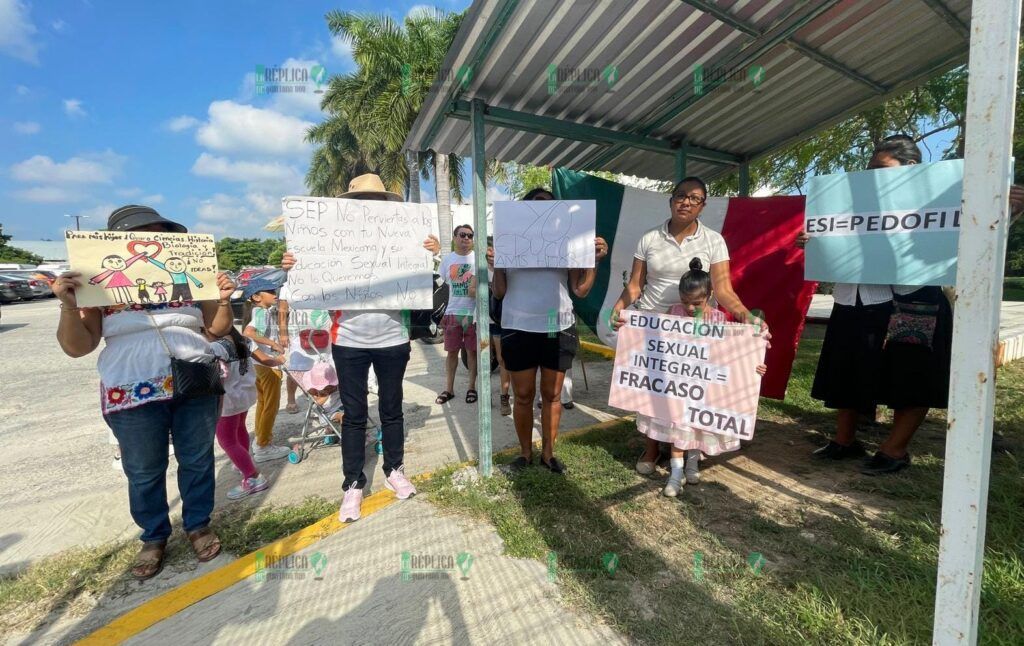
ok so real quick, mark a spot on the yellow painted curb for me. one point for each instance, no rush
(597, 348)
(174, 601)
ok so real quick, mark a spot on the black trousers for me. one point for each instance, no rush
(353, 367)
(181, 291)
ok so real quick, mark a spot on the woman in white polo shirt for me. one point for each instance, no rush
(662, 256)
(539, 332)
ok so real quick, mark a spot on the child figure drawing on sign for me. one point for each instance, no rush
(116, 279)
(695, 295)
(160, 292)
(143, 290)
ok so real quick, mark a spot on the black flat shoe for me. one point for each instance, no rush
(881, 464)
(554, 465)
(520, 463)
(835, 451)
(568, 405)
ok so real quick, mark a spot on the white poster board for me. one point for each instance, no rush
(545, 233)
(358, 254)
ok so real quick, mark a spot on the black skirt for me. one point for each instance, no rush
(851, 367)
(918, 375)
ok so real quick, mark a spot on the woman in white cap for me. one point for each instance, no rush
(365, 338)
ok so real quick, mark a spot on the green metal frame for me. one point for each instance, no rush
(744, 57)
(483, 324)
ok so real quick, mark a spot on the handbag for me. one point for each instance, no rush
(191, 379)
(912, 323)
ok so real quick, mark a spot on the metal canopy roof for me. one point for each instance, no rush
(634, 65)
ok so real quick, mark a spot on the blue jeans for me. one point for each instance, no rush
(353, 367)
(142, 433)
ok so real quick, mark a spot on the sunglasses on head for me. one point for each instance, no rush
(465, 236)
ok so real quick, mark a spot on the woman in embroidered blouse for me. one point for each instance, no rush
(136, 396)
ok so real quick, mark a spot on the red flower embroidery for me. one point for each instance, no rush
(116, 396)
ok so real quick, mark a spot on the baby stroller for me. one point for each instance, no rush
(320, 386)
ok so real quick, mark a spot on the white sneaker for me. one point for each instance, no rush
(350, 505)
(269, 452)
(644, 468)
(671, 488)
(692, 477)
(398, 483)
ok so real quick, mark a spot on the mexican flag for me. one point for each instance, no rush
(767, 269)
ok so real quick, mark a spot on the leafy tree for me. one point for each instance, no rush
(14, 254)
(236, 253)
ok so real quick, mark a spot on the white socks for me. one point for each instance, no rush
(692, 460)
(677, 465)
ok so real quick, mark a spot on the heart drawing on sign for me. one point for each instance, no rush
(149, 247)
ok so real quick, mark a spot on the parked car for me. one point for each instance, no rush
(7, 293)
(275, 275)
(37, 274)
(21, 287)
(40, 286)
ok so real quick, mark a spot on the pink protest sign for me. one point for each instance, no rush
(694, 372)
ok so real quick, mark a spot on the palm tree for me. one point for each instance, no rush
(397, 65)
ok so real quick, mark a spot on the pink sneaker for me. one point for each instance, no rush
(350, 505)
(398, 483)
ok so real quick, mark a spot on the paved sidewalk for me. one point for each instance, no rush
(55, 463)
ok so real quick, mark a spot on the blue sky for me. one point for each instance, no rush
(110, 103)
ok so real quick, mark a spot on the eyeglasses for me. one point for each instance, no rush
(465, 236)
(695, 200)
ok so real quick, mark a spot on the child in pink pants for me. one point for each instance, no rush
(236, 354)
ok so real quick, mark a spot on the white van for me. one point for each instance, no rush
(14, 265)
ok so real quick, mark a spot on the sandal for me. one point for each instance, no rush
(150, 560)
(291, 408)
(443, 397)
(205, 544)
(470, 396)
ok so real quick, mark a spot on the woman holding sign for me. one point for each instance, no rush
(364, 338)
(663, 255)
(143, 405)
(539, 332)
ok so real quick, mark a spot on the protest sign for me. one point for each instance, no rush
(138, 267)
(358, 254)
(696, 373)
(544, 233)
(890, 226)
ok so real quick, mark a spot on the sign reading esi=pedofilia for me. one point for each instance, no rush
(358, 254)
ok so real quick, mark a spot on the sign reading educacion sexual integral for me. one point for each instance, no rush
(144, 268)
(545, 233)
(358, 254)
(890, 226)
(696, 373)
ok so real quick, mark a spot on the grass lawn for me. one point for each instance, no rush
(771, 548)
(1013, 288)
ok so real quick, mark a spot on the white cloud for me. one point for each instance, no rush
(26, 127)
(341, 48)
(156, 198)
(98, 215)
(183, 122)
(233, 127)
(59, 25)
(49, 195)
(267, 175)
(236, 216)
(94, 168)
(73, 107)
(22, 90)
(128, 192)
(17, 32)
(420, 9)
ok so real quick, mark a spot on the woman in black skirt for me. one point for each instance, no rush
(885, 344)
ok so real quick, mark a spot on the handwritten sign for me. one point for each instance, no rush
(897, 225)
(129, 267)
(544, 234)
(696, 373)
(358, 254)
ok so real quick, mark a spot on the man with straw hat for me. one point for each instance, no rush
(361, 339)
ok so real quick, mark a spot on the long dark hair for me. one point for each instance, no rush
(696, 279)
(241, 348)
(534, 192)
